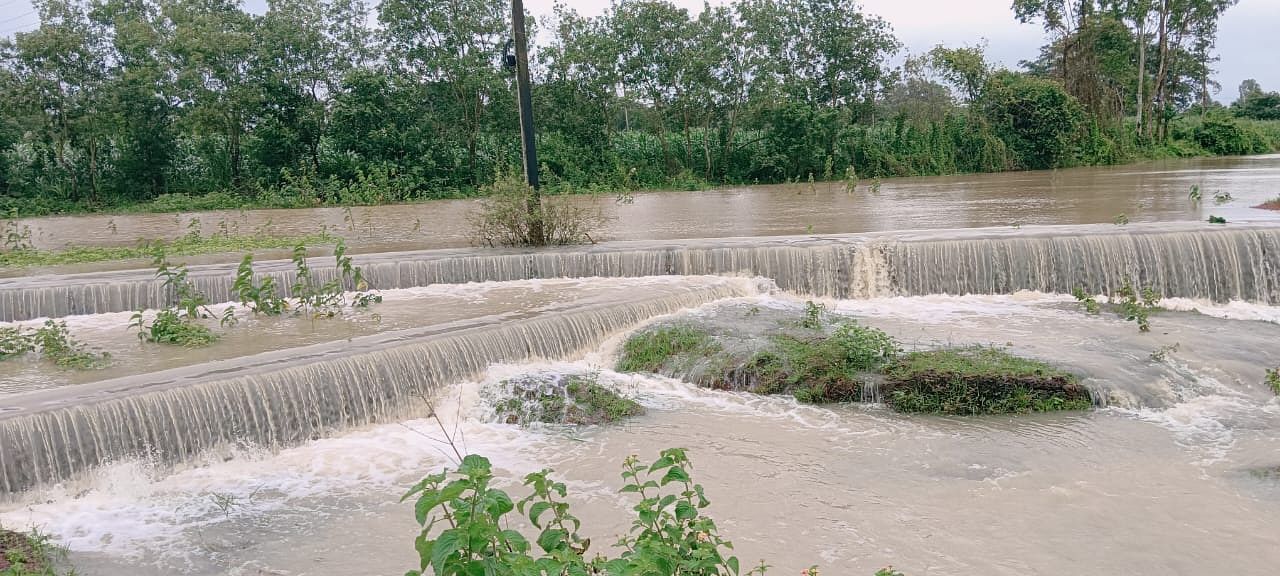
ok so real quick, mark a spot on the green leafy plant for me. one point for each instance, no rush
(1121, 220)
(813, 315)
(53, 342)
(327, 299)
(16, 238)
(259, 297)
(1137, 307)
(463, 520)
(179, 323)
(14, 342)
(1273, 380)
(1089, 302)
(850, 180)
(1217, 220)
(1194, 195)
(980, 380)
(170, 326)
(572, 399)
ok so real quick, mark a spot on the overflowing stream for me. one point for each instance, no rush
(283, 448)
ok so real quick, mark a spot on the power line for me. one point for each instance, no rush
(23, 28)
(18, 17)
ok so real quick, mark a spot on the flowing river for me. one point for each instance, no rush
(283, 448)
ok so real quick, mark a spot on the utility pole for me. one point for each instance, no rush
(520, 34)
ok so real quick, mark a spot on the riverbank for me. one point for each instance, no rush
(1189, 141)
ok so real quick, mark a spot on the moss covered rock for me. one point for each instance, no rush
(979, 381)
(820, 357)
(570, 399)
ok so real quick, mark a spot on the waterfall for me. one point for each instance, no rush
(288, 397)
(1220, 264)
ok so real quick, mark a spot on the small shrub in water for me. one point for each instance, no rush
(1121, 219)
(178, 324)
(53, 342)
(1090, 303)
(260, 297)
(1137, 308)
(504, 217)
(1273, 380)
(170, 327)
(1217, 220)
(464, 525)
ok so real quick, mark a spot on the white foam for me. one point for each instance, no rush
(1234, 310)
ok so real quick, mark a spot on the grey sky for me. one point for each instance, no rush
(1246, 43)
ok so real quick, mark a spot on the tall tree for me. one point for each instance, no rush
(454, 44)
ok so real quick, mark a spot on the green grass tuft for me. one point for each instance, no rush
(980, 381)
(650, 350)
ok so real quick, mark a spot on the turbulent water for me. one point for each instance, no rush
(283, 448)
(1190, 261)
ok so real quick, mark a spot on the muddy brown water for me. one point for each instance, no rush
(1147, 192)
(1142, 490)
(284, 448)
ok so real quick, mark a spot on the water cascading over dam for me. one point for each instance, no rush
(290, 396)
(1218, 264)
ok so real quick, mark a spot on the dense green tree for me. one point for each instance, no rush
(116, 102)
(1036, 117)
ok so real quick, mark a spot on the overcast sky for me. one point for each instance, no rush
(1247, 41)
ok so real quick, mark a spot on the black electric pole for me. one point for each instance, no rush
(527, 145)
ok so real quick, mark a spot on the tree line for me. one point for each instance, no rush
(198, 103)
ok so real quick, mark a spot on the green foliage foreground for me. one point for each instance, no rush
(30, 554)
(466, 528)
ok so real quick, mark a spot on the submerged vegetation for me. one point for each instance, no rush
(842, 361)
(188, 245)
(1131, 304)
(572, 399)
(53, 343)
(513, 215)
(179, 323)
(313, 297)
